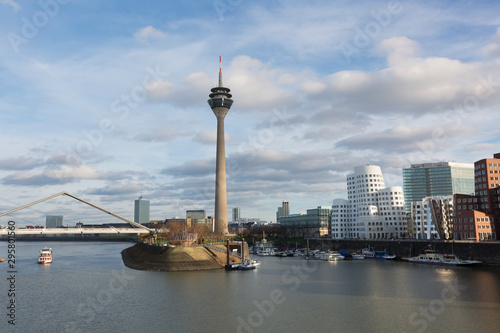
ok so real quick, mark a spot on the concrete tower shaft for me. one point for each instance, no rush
(220, 101)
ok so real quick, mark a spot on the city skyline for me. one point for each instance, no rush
(107, 101)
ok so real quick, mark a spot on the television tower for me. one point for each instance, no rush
(220, 101)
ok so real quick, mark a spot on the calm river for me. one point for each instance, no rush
(88, 289)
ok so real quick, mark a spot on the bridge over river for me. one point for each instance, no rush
(135, 228)
(74, 231)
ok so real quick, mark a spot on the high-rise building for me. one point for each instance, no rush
(236, 214)
(220, 101)
(141, 211)
(431, 218)
(436, 179)
(372, 211)
(54, 221)
(477, 216)
(283, 211)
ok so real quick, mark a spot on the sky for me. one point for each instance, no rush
(107, 100)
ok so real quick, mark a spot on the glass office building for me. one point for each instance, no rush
(54, 221)
(141, 211)
(236, 214)
(316, 223)
(436, 179)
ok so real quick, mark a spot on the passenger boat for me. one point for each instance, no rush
(45, 256)
(380, 255)
(431, 257)
(249, 264)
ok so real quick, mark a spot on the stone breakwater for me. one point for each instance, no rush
(179, 258)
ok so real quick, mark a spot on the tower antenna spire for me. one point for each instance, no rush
(220, 71)
(220, 102)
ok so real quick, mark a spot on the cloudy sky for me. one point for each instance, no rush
(107, 99)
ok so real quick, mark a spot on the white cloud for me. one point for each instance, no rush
(119, 188)
(405, 139)
(492, 49)
(302, 117)
(67, 172)
(149, 33)
(252, 80)
(415, 84)
(400, 49)
(348, 81)
(313, 87)
(483, 147)
(11, 3)
(207, 137)
(63, 175)
(158, 90)
(159, 134)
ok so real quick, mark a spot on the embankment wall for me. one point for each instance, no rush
(488, 253)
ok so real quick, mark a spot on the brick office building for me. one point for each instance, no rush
(478, 216)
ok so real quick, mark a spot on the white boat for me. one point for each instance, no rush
(249, 264)
(380, 255)
(267, 251)
(280, 254)
(330, 256)
(356, 256)
(232, 266)
(431, 257)
(335, 256)
(45, 256)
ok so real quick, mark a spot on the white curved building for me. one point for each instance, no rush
(372, 211)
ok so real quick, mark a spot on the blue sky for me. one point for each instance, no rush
(107, 99)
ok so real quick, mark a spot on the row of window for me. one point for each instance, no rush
(466, 200)
(480, 226)
(492, 185)
(368, 176)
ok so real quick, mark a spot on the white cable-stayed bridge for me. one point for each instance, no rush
(135, 228)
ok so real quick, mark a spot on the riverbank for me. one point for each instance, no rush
(486, 252)
(179, 258)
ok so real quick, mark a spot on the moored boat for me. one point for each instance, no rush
(370, 253)
(249, 264)
(232, 266)
(265, 251)
(356, 256)
(431, 257)
(335, 256)
(329, 256)
(280, 254)
(45, 256)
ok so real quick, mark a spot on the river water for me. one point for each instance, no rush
(88, 289)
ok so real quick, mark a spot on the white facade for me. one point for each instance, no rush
(372, 211)
(431, 217)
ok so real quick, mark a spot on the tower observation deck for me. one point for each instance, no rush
(220, 102)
